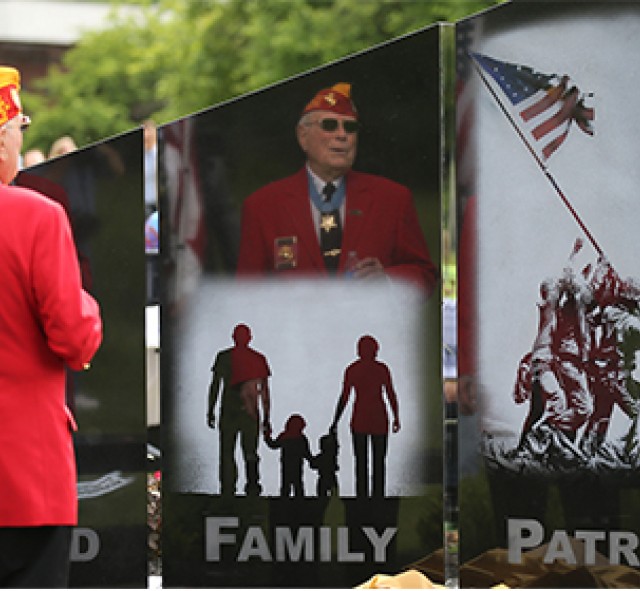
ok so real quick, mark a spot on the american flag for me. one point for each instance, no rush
(546, 104)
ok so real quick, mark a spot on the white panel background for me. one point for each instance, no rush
(525, 232)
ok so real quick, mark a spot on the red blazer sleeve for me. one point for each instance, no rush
(412, 260)
(70, 316)
(382, 222)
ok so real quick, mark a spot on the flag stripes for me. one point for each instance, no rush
(545, 104)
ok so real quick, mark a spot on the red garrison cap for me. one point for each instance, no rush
(9, 99)
(336, 99)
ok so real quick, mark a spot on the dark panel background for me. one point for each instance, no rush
(101, 188)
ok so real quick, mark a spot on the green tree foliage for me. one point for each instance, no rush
(177, 57)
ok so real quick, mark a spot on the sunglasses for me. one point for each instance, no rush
(330, 124)
(22, 120)
(25, 121)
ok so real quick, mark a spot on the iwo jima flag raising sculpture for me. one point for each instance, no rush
(581, 363)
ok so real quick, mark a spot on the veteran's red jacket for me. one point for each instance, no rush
(46, 322)
(380, 221)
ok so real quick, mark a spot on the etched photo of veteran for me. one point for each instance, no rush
(328, 219)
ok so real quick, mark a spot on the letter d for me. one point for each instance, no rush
(85, 545)
(516, 529)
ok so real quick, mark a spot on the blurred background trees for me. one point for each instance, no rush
(176, 57)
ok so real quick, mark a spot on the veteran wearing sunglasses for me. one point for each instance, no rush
(47, 323)
(328, 219)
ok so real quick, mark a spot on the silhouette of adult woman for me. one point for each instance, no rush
(369, 378)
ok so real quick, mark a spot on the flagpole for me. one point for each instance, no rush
(574, 213)
(541, 164)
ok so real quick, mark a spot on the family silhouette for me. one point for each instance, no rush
(244, 374)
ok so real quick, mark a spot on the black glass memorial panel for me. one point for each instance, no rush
(100, 188)
(251, 502)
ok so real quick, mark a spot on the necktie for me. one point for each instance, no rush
(330, 233)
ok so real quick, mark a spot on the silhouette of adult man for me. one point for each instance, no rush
(244, 373)
(368, 377)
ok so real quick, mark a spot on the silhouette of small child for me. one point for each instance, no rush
(294, 447)
(326, 463)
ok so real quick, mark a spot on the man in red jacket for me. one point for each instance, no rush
(47, 322)
(328, 219)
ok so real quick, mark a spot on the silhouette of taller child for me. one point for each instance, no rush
(294, 447)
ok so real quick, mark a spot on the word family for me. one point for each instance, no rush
(302, 544)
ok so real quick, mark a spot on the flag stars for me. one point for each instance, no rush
(553, 110)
